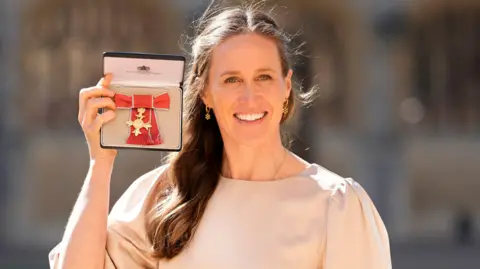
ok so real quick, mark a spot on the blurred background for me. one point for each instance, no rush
(399, 111)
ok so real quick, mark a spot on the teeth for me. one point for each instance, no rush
(250, 117)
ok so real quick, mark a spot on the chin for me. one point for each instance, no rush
(252, 133)
(249, 139)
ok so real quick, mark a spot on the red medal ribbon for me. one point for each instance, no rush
(143, 136)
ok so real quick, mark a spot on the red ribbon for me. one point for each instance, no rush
(145, 136)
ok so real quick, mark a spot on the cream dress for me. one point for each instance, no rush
(313, 220)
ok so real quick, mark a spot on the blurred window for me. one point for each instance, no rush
(329, 71)
(62, 46)
(446, 73)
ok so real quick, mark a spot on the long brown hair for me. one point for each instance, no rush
(193, 173)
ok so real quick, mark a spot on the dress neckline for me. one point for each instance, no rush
(308, 171)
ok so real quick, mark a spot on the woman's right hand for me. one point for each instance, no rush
(90, 100)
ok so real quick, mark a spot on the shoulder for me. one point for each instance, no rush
(341, 191)
(350, 206)
(149, 178)
(141, 190)
(127, 241)
(330, 182)
(352, 225)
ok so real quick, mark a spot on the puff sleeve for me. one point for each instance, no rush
(127, 244)
(355, 235)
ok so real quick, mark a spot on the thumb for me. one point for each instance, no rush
(105, 81)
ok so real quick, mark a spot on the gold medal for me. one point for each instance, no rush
(138, 124)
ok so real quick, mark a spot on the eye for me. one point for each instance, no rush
(232, 80)
(264, 77)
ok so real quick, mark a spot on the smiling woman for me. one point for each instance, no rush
(248, 89)
(234, 196)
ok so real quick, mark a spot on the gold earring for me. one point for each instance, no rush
(207, 112)
(285, 107)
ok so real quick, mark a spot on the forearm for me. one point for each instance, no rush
(85, 235)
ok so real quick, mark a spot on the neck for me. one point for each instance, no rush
(257, 163)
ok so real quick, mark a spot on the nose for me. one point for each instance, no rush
(248, 93)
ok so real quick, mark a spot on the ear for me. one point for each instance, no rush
(206, 97)
(288, 83)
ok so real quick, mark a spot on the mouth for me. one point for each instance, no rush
(250, 117)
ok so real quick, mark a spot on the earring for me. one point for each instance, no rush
(285, 107)
(207, 112)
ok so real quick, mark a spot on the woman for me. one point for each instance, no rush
(234, 197)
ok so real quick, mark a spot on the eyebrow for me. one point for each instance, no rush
(232, 72)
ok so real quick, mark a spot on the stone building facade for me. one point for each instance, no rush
(398, 109)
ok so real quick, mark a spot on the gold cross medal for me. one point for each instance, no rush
(138, 124)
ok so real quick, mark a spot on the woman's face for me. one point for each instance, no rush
(246, 88)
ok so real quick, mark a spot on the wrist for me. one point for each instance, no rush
(103, 157)
(104, 162)
(100, 169)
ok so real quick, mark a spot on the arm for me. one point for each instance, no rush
(356, 235)
(116, 242)
(85, 235)
(83, 243)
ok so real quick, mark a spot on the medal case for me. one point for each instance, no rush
(149, 101)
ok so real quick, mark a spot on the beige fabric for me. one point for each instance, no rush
(314, 220)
